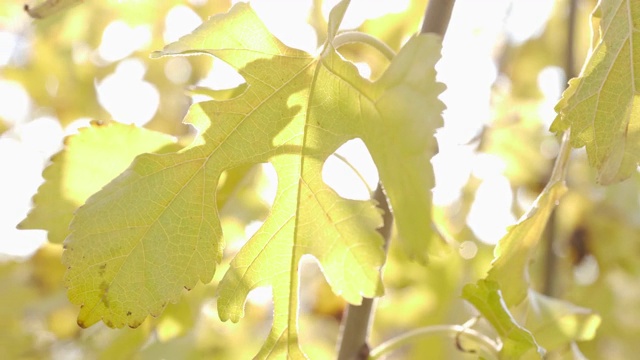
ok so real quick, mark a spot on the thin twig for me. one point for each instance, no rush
(354, 37)
(487, 345)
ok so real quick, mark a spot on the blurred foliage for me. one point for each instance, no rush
(596, 230)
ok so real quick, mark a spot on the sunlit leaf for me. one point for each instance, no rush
(510, 267)
(486, 296)
(155, 229)
(602, 105)
(91, 159)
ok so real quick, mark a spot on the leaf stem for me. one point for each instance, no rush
(351, 37)
(488, 346)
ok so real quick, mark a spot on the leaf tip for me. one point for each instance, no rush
(82, 324)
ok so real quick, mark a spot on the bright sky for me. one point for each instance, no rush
(467, 68)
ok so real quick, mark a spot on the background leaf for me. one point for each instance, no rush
(518, 342)
(91, 159)
(555, 323)
(510, 267)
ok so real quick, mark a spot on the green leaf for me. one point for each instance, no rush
(602, 105)
(510, 267)
(401, 141)
(155, 229)
(486, 296)
(556, 323)
(90, 159)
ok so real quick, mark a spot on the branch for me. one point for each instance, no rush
(437, 16)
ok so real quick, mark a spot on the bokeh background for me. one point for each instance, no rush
(505, 65)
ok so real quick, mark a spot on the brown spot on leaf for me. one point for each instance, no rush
(104, 297)
(135, 324)
(102, 269)
(128, 313)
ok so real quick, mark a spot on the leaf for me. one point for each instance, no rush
(486, 296)
(401, 142)
(507, 281)
(602, 105)
(155, 229)
(510, 267)
(91, 159)
(50, 7)
(556, 322)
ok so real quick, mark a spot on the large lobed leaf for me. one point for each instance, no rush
(602, 105)
(155, 229)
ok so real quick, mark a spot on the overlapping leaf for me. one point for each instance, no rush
(89, 161)
(155, 229)
(549, 322)
(602, 105)
(518, 342)
(507, 282)
(510, 268)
